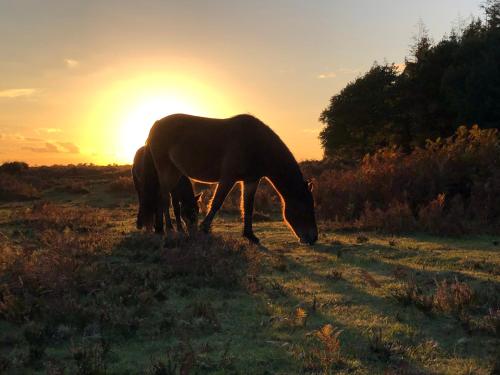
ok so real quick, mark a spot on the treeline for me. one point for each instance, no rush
(444, 85)
(449, 187)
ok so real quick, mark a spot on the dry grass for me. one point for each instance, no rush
(323, 351)
(13, 188)
(445, 188)
(122, 185)
(82, 292)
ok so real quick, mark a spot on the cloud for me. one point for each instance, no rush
(47, 148)
(71, 63)
(327, 75)
(69, 147)
(16, 93)
(13, 137)
(57, 147)
(48, 130)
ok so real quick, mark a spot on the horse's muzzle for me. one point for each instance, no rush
(309, 239)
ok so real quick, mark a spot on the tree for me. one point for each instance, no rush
(492, 11)
(444, 85)
(355, 117)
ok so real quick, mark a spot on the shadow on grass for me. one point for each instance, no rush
(442, 328)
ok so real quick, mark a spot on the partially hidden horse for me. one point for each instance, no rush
(184, 202)
(226, 151)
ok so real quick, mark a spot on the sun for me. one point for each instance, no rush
(122, 112)
(136, 121)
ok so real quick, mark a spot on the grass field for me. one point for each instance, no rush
(83, 292)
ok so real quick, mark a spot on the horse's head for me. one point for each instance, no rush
(299, 213)
(189, 211)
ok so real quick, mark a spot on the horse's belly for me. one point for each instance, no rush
(202, 169)
(201, 176)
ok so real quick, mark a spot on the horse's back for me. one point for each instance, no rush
(238, 127)
(202, 148)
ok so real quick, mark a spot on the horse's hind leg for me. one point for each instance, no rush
(137, 185)
(221, 192)
(248, 190)
(169, 177)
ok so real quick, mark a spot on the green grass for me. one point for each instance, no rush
(81, 291)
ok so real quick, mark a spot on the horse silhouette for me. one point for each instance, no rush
(184, 202)
(226, 151)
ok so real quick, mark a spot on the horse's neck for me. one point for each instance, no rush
(286, 177)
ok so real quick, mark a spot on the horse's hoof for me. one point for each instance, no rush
(252, 238)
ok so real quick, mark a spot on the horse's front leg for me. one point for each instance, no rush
(176, 205)
(248, 190)
(168, 220)
(168, 176)
(221, 192)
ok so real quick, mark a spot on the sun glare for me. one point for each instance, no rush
(136, 121)
(121, 115)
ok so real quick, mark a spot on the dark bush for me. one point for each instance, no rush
(447, 187)
(13, 188)
(14, 167)
(122, 185)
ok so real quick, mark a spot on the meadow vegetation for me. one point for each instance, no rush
(448, 187)
(83, 292)
(405, 277)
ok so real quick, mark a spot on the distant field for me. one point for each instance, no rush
(83, 292)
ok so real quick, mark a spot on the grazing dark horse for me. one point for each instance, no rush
(225, 151)
(184, 202)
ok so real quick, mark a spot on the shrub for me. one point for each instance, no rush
(13, 188)
(90, 358)
(208, 260)
(14, 167)
(324, 350)
(450, 297)
(453, 297)
(447, 187)
(122, 185)
(53, 262)
(398, 218)
(74, 187)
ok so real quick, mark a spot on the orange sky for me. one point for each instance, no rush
(83, 81)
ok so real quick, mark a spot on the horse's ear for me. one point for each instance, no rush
(310, 185)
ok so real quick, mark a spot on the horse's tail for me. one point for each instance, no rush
(138, 187)
(150, 188)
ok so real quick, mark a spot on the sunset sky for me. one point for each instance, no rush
(83, 81)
